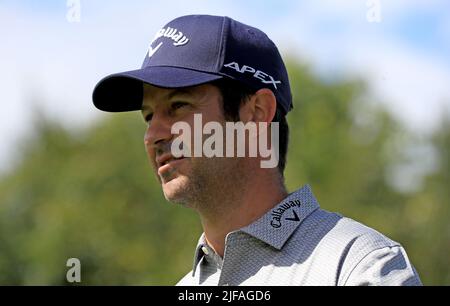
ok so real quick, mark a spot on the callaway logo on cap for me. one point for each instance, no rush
(197, 49)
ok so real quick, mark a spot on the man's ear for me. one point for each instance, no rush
(261, 107)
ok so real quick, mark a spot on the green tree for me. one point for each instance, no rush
(427, 226)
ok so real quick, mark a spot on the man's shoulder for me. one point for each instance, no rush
(336, 228)
(351, 247)
(336, 240)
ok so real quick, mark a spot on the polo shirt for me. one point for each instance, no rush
(297, 243)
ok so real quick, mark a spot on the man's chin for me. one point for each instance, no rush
(175, 190)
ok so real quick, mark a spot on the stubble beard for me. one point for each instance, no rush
(211, 186)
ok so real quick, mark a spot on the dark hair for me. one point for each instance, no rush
(234, 94)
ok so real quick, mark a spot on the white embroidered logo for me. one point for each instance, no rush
(256, 73)
(152, 51)
(177, 36)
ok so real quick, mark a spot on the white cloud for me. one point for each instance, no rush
(415, 87)
(337, 37)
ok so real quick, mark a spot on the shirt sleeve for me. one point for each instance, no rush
(388, 266)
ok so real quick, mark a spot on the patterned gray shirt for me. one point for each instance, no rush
(297, 243)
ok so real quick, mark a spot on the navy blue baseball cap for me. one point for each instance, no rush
(198, 49)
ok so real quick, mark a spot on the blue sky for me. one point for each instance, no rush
(405, 57)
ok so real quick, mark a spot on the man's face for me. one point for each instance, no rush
(183, 180)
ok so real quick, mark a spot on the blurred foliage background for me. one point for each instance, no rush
(90, 193)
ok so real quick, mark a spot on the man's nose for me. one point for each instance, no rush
(158, 131)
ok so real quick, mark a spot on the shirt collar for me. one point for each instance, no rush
(277, 225)
(199, 252)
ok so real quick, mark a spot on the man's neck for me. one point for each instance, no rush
(239, 210)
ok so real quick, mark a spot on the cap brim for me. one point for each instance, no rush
(122, 92)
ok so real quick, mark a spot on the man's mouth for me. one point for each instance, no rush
(166, 161)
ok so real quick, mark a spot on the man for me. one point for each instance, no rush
(255, 233)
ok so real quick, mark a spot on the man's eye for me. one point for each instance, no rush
(177, 105)
(148, 118)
